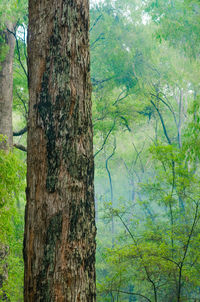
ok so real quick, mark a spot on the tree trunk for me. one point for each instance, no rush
(7, 46)
(4, 251)
(59, 243)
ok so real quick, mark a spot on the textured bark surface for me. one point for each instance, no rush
(59, 243)
(4, 251)
(6, 86)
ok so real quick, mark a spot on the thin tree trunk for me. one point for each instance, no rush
(180, 110)
(7, 46)
(6, 84)
(111, 193)
(59, 244)
(4, 252)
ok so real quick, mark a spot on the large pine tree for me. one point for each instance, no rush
(59, 245)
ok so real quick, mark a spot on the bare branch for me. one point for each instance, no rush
(133, 294)
(98, 82)
(100, 37)
(138, 155)
(111, 187)
(20, 147)
(23, 102)
(21, 132)
(162, 122)
(166, 104)
(18, 51)
(121, 98)
(95, 22)
(126, 123)
(105, 140)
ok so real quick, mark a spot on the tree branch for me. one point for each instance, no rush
(105, 140)
(120, 99)
(162, 122)
(111, 187)
(95, 22)
(20, 132)
(133, 294)
(20, 147)
(18, 51)
(126, 123)
(141, 257)
(23, 102)
(186, 250)
(100, 37)
(97, 82)
(138, 155)
(168, 106)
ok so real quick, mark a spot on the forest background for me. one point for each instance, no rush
(146, 120)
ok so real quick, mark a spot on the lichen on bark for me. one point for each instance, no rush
(53, 235)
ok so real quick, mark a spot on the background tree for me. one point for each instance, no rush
(11, 16)
(12, 169)
(6, 82)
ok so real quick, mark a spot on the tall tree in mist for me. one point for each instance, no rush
(7, 46)
(59, 248)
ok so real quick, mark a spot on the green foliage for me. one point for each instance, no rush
(13, 11)
(179, 23)
(154, 170)
(12, 198)
(158, 251)
(192, 135)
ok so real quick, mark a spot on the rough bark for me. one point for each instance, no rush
(4, 251)
(6, 85)
(59, 243)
